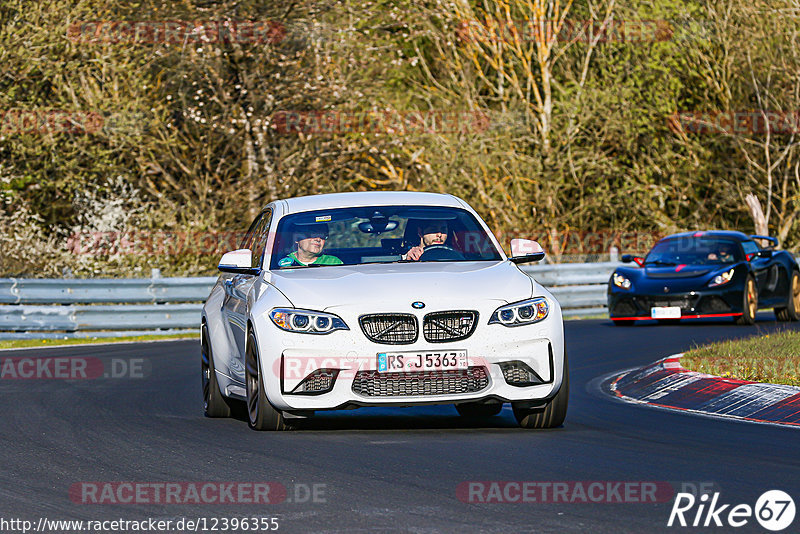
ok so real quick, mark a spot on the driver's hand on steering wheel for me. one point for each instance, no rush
(414, 253)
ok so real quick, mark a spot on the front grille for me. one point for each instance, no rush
(374, 384)
(440, 327)
(714, 304)
(625, 308)
(390, 328)
(681, 302)
(518, 373)
(685, 302)
(320, 381)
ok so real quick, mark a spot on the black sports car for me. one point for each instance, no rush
(705, 274)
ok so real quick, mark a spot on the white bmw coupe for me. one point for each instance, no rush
(380, 299)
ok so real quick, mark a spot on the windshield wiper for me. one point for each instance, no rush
(660, 262)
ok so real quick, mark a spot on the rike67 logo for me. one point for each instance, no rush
(774, 510)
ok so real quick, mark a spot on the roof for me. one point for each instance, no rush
(371, 198)
(727, 234)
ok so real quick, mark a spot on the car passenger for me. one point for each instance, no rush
(430, 233)
(309, 240)
(723, 255)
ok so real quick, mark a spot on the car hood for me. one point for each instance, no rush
(397, 285)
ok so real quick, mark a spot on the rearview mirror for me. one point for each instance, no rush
(237, 261)
(525, 250)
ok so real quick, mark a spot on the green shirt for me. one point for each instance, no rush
(322, 259)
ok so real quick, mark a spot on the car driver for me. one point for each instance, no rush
(430, 233)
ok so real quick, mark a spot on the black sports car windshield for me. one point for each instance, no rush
(380, 234)
(693, 250)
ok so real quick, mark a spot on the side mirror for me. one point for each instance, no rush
(525, 250)
(627, 258)
(237, 261)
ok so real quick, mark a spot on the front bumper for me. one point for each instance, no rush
(493, 352)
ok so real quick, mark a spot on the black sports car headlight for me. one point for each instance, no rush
(306, 321)
(621, 281)
(521, 313)
(722, 279)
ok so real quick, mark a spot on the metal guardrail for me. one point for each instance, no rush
(77, 291)
(47, 308)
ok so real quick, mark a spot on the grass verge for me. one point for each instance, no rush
(773, 358)
(24, 343)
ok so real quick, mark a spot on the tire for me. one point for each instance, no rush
(260, 413)
(792, 310)
(623, 322)
(669, 321)
(214, 404)
(479, 410)
(551, 414)
(749, 302)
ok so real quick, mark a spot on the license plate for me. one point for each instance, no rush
(404, 362)
(666, 312)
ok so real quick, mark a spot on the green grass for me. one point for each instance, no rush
(582, 317)
(773, 358)
(24, 343)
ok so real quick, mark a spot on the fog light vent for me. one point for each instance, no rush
(517, 373)
(320, 381)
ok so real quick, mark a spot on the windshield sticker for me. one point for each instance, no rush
(323, 218)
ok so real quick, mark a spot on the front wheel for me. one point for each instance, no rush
(551, 414)
(260, 413)
(749, 303)
(792, 310)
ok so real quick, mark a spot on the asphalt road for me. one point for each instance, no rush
(382, 470)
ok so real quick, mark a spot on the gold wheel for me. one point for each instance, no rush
(752, 297)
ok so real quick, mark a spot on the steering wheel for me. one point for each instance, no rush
(440, 253)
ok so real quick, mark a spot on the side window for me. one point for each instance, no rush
(248, 237)
(749, 247)
(260, 238)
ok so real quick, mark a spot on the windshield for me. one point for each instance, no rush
(694, 251)
(380, 234)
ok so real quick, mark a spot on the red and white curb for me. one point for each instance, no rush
(667, 384)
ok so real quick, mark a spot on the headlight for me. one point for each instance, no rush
(306, 321)
(621, 281)
(721, 279)
(521, 313)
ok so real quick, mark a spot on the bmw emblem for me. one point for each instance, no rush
(666, 289)
(417, 305)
